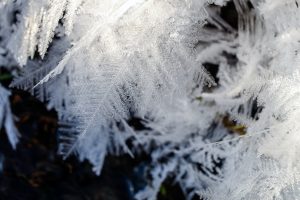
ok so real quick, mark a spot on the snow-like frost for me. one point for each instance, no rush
(7, 118)
(109, 61)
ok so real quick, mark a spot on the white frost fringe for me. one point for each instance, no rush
(7, 118)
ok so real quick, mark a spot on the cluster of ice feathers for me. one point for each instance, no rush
(102, 63)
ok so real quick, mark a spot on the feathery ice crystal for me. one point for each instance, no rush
(102, 64)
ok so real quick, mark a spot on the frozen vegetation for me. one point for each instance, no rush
(218, 102)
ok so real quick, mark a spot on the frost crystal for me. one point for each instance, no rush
(101, 64)
(7, 119)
